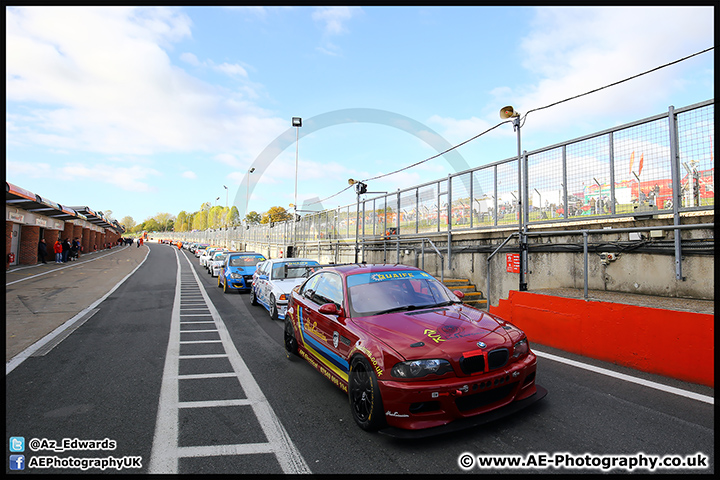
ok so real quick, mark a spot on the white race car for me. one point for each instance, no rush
(205, 256)
(274, 279)
(216, 262)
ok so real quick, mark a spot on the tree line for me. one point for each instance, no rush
(207, 217)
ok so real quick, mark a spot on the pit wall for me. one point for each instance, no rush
(671, 343)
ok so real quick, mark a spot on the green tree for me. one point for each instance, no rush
(253, 218)
(128, 223)
(200, 220)
(163, 219)
(275, 214)
(181, 223)
(151, 225)
(215, 215)
(232, 217)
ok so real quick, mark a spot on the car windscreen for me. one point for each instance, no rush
(402, 290)
(293, 270)
(245, 260)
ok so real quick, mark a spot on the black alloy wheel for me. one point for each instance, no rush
(364, 393)
(291, 344)
(273, 308)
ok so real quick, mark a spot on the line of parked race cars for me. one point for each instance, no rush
(414, 360)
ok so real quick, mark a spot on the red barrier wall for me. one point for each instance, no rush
(665, 342)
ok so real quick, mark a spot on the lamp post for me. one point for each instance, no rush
(297, 123)
(505, 113)
(247, 193)
(225, 224)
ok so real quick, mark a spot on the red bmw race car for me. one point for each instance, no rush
(413, 359)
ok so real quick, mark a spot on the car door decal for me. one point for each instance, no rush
(338, 365)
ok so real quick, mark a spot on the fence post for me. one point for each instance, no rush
(677, 191)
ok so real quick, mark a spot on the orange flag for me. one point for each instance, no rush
(640, 165)
(632, 160)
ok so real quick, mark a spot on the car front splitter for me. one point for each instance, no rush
(465, 423)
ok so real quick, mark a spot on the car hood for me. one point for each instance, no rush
(443, 332)
(287, 284)
(242, 270)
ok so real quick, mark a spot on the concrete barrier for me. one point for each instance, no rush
(677, 344)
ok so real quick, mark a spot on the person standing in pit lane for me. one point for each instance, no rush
(65, 250)
(42, 250)
(75, 249)
(58, 251)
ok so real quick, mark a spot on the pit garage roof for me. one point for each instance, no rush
(31, 202)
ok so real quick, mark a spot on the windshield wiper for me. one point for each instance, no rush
(402, 308)
(445, 304)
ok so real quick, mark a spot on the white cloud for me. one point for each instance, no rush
(130, 178)
(570, 51)
(190, 58)
(456, 131)
(232, 70)
(189, 175)
(574, 50)
(33, 170)
(334, 22)
(334, 18)
(228, 159)
(100, 80)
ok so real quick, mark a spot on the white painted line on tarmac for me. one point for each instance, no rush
(239, 402)
(22, 356)
(166, 452)
(628, 378)
(209, 355)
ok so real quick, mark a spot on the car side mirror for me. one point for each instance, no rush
(330, 309)
(459, 294)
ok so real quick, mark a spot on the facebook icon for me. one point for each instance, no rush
(17, 462)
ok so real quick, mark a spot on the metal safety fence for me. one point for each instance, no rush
(660, 164)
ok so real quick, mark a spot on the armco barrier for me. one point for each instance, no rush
(675, 344)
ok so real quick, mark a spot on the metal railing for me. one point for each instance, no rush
(660, 164)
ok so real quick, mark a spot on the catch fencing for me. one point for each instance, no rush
(660, 164)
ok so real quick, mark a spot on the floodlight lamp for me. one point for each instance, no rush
(360, 188)
(296, 122)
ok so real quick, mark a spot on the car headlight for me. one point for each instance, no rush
(236, 276)
(282, 298)
(420, 368)
(521, 348)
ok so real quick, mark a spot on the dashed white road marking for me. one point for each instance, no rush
(166, 452)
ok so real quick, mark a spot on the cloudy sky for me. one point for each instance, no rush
(140, 111)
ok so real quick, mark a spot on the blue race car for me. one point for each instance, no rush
(237, 271)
